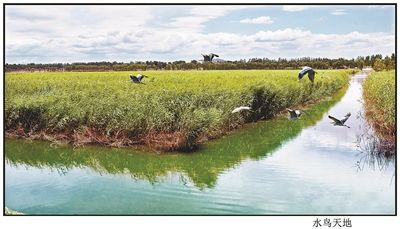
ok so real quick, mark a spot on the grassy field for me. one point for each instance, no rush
(379, 95)
(171, 110)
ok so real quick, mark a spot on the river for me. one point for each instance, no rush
(280, 166)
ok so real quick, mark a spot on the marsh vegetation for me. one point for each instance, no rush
(380, 108)
(171, 110)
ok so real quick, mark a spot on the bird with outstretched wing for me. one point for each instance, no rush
(309, 71)
(337, 122)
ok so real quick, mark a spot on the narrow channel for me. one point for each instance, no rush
(307, 166)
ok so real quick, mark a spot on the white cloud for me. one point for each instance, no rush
(338, 12)
(294, 8)
(75, 34)
(168, 45)
(257, 20)
(195, 17)
(381, 6)
(280, 35)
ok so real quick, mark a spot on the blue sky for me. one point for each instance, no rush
(48, 34)
(317, 19)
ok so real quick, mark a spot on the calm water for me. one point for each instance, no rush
(306, 166)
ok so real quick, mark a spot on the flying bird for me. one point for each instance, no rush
(137, 79)
(309, 71)
(209, 57)
(238, 109)
(337, 122)
(294, 114)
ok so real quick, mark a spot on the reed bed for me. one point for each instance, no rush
(379, 93)
(171, 110)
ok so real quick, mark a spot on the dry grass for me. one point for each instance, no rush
(379, 96)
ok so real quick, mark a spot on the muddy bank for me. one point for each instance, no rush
(386, 134)
(380, 109)
(155, 141)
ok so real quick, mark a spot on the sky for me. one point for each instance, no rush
(66, 34)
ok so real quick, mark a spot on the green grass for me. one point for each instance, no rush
(195, 104)
(379, 94)
(254, 141)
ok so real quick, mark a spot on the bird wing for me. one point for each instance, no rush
(134, 79)
(305, 69)
(303, 72)
(345, 118)
(311, 75)
(300, 75)
(334, 119)
(237, 109)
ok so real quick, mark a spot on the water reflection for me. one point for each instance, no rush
(272, 167)
(203, 167)
(373, 153)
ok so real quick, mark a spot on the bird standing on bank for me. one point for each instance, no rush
(337, 122)
(309, 71)
(294, 114)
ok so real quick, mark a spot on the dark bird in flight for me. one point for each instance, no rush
(209, 57)
(294, 114)
(337, 122)
(137, 79)
(309, 71)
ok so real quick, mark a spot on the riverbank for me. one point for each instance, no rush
(251, 142)
(8, 211)
(269, 166)
(379, 92)
(173, 110)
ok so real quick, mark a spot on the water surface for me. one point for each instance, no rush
(279, 166)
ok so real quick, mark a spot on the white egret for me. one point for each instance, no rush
(238, 109)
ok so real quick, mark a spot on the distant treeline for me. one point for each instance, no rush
(378, 62)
